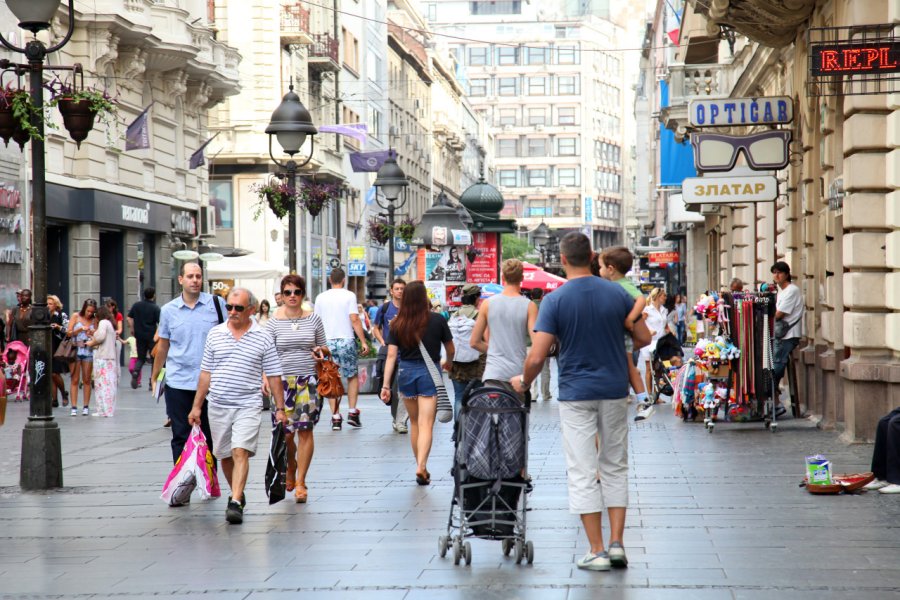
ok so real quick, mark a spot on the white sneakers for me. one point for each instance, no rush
(604, 561)
(883, 487)
(644, 411)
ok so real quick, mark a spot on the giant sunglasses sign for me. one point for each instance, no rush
(734, 112)
(763, 151)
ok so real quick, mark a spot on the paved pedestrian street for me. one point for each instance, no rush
(712, 516)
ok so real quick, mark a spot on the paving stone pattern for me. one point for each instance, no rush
(712, 516)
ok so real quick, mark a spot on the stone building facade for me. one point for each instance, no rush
(836, 220)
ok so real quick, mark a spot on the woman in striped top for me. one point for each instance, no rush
(299, 338)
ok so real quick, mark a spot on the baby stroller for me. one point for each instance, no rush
(667, 349)
(15, 368)
(490, 457)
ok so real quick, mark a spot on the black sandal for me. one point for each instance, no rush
(423, 479)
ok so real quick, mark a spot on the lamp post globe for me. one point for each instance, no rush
(34, 15)
(291, 123)
(541, 235)
(391, 179)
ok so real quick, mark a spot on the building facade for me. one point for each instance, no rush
(835, 219)
(553, 100)
(115, 217)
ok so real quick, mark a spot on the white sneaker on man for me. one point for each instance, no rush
(891, 488)
(617, 556)
(594, 562)
(876, 484)
(644, 411)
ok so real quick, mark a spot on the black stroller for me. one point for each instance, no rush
(490, 458)
(667, 348)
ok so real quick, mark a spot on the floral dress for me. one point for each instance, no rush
(106, 370)
(294, 340)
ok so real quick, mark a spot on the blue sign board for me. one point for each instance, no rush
(730, 112)
(356, 269)
(401, 246)
(588, 209)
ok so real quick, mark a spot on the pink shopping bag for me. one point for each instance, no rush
(194, 470)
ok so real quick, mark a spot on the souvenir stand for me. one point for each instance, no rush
(731, 366)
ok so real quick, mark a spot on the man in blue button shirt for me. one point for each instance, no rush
(183, 325)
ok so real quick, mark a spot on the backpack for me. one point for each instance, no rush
(461, 328)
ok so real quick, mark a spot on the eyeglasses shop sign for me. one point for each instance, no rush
(732, 112)
(729, 190)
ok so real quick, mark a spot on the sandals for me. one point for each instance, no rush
(301, 494)
(423, 479)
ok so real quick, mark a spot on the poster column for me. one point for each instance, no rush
(444, 274)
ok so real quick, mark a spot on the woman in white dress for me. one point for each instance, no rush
(655, 315)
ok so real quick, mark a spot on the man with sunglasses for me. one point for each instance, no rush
(235, 356)
(183, 326)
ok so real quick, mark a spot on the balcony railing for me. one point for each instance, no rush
(324, 49)
(294, 18)
(410, 42)
(687, 82)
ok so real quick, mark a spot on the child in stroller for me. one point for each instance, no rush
(15, 369)
(667, 350)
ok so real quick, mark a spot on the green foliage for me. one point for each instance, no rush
(516, 247)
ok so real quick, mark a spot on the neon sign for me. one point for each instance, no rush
(851, 59)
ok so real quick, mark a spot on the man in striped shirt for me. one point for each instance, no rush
(236, 355)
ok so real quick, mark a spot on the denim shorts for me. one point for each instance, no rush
(414, 380)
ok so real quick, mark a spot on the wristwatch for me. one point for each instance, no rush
(522, 380)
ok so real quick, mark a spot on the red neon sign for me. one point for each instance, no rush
(851, 59)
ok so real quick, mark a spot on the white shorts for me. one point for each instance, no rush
(581, 421)
(233, 428)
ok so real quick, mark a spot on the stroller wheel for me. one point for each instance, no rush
(529, 551)
(520, 551)
(467, 553)
(506, 546)
(443, 544)
(457, 552)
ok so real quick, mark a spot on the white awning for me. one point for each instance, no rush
(244, 267)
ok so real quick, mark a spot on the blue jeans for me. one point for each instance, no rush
(681, 331)
(783, 349)
(458, 389)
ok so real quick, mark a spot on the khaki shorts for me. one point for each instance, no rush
(233, 428)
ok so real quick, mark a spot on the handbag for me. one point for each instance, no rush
(66, 350)
(782, 327)
(444, 408)
(276, 469)
(329, 377)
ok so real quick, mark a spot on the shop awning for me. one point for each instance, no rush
(244, 267)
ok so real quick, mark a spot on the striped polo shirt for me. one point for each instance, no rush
(237, 366)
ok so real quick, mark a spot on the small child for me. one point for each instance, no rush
(132, 353)
(614, 262)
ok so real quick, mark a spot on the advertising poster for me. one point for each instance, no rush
(436, 290)
(454, 295)
(428, 266)
(484, 268)
(453, 265)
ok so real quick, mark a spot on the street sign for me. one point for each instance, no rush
(588, 209)
(356, 269)
(729, 190)
(731, 112)
(401, 246)
(663, 258)
(334, 263)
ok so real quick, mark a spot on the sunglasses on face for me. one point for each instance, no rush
(235, 307)
(718, 152)
(289, 293)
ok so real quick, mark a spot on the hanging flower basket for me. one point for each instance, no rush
(16, 111)
(81, 107)
(274, 195)
(315, 197)
(406, 229)
(379, 230)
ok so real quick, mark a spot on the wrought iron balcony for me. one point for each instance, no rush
(324, 53)
(295, 24)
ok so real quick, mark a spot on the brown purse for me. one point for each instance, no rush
(330, 385)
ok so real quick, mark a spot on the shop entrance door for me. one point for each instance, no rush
(112, 267)
(58, 264)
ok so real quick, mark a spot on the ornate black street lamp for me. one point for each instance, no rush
(291, 123)
(41, 464)
(391, 180)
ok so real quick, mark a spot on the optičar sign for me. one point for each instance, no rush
(733, 112)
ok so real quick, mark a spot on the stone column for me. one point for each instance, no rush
(85, 249)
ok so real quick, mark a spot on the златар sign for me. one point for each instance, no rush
(729, 190)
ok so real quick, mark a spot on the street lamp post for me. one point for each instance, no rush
(291, 123)
(41, 464)
(391, 180)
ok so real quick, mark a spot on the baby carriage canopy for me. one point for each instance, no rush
(668, 347)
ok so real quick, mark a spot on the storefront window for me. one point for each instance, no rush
(221, 199)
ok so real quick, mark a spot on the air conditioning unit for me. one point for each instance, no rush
(207, 221)
(507, 127)
(392, 130)
(710, 209)
(538, 127)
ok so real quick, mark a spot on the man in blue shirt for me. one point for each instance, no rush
(381, 325)
(183, 325)
(587, 317)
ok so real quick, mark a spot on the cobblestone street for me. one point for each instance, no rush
(712, 516)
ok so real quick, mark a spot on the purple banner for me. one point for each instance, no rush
(368, 162)
(137, 135)
(357, 131)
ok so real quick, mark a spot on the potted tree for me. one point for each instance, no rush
(314, 197)
(379, 230)
(276, 196)
(80, 107)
